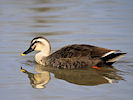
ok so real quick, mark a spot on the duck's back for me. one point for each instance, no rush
(80, 50)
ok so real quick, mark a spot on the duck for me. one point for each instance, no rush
(72, 56)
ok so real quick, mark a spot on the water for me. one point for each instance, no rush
(105, 23)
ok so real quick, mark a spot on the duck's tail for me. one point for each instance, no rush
(112, 57)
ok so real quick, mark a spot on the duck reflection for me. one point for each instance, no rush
(37, 80)
(89, 77)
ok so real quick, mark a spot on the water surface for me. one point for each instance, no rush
(105, 23)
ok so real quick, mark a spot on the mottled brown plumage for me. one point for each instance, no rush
(76, 56)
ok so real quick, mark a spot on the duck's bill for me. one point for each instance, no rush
(27, 51)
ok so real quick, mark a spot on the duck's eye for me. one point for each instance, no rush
(33, 45)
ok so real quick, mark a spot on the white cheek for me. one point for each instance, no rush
(33, 47)
(38, 47)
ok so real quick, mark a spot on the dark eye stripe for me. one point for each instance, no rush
(34, 43)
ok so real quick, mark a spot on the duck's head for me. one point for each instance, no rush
(38, 44)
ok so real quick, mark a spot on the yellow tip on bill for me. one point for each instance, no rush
(22, 54)
(23, 70)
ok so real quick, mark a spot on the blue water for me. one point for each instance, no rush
(105, 23)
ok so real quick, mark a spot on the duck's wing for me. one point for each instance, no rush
(72, 63)
(81, 50)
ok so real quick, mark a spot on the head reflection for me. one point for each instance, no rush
(37, 80)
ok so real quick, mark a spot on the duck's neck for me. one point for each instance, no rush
(41, 55)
